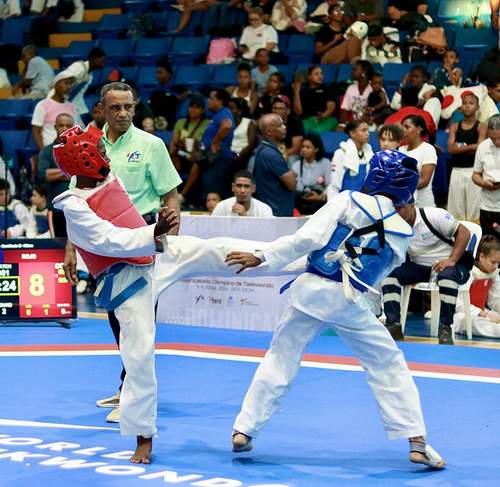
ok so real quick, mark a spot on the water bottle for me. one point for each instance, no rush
(433, 279)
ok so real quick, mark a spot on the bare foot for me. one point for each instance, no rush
(143, 451)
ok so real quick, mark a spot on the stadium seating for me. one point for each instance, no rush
(300, 49)
(77, 51)
(118, 50)
(189, 50)
(344, 72)
(111, 26)
(147, 51)
(147, 77)
(331, 141)
(224, 75)
(194, 77)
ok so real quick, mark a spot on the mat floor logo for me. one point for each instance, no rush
(64, 455)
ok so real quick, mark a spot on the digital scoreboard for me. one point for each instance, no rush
(32, 281)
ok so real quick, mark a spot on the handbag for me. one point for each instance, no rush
(205, 158)
(434, 37)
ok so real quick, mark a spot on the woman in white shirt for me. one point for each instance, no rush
(244, 135)
(289, 14)
(313, 172)
(414, 129)
(257, 35)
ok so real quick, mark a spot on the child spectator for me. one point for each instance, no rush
(39, 211)
(450, 73)
(417, 77)
(378, 48)
(245, 88)
(313, 172)
(484, 293)
(378, 101)
(389, 137)
(486, 174)
(415, 129)
(314, 103)
(275, 86)
(15, 218)
(463, 195)
(355, 101)
(262, 71)
(212, 201)
(350, 162)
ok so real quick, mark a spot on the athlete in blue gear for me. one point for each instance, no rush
(351, 244)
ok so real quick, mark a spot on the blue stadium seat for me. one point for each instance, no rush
(13, 30)
(96, 4)
(193, 76)
(77, 51)
(147, 50)
(332, 140)
(188, 50)
(165, 135)
(394, 73)
(283, 41)
(287, 70)
(136, 6)
(51, 52)
(224, 75)
(16, 108)
(476, 37)
(111, 26)
(329, 72)
(147, 76)
(300, 49)
(344, 72)
(373, 141)
(118, 49)
(13, 142)
(76, 27)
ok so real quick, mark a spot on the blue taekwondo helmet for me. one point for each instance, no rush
(394, 174)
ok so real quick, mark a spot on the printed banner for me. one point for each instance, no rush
(240, 302)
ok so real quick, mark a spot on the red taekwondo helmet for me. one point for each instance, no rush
(77, 153)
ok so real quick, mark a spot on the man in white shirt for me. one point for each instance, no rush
(428, 251)
(486, 174)
(489, 104)
(257, 35)
(242, 203)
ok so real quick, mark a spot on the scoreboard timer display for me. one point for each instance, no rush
(32, 281)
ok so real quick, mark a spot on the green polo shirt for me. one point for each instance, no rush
(143, 164)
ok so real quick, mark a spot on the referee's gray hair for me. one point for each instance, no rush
(116, 86)
(494, 122)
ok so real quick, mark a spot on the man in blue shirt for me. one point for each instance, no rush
(275, 182)
(217, 139)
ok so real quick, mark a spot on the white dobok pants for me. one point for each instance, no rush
(464, 197)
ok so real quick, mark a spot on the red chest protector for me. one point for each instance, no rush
(479, 291)
(113, 204)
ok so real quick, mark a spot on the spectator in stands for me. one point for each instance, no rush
(47, 110)
(39, 211)
(242, 203)
(163, 100)
(486, 174)
(4, 169)
(489, 106)
(276, 183)
(313, 173)
(355, 101)
(319, 16)
(315, 102)
(83, 74)
(187, 7)
(426, 252)
(217, 140)
(38, 75)
(464, 137)
(244, 135)
(378, 48)
(409, 102)
(390, 137)
(398, 10)
(246, 87)
(294, 128)
(53, 178)
(417, 77)
(369, 11)
(68, 10)
(289, 16)
(449, 73)
(211, 201)
(258, 35)
(415, 129)
(378, 101)
(186, 140)
(275, 86)
(15, 218)
(98, 119)
(350, 161)
(247, 5)
(262, 71)
(484, 293)
(331, 45)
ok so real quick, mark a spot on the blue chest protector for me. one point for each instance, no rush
(9, 220)
(344, 256)
(354, 183)
(42, 223)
